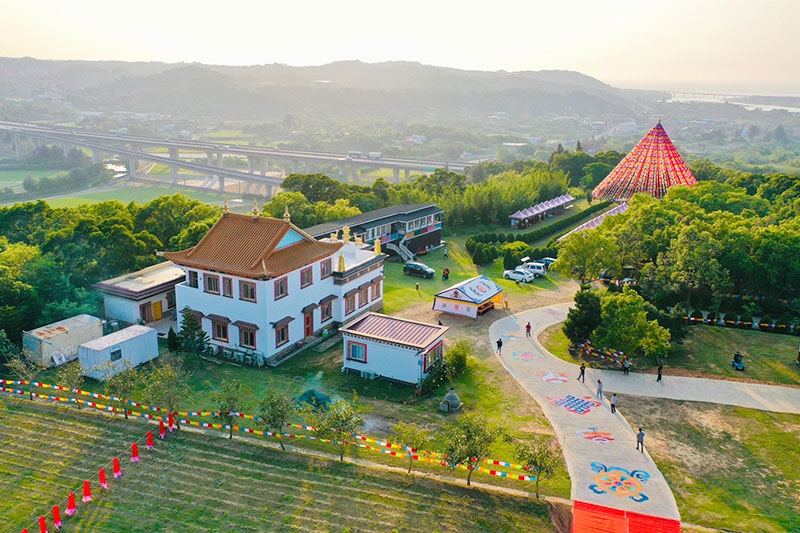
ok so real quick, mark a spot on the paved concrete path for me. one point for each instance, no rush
(599, 447)
(753, 395)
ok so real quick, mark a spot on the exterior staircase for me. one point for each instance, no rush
(401, 250)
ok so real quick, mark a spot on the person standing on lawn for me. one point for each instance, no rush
(640, 440)
(582, 375)
(614, 403)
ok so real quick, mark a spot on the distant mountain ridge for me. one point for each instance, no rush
(263, 91)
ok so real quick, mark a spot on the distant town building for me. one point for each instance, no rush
(262, 286)
(126, 348)
(416, 227)
(57, 343)
(147, 295)
(392, 348)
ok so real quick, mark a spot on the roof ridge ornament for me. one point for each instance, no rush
(225, 208)
(255, 210)
(286, 217)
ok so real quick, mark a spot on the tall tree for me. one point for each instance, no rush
(411, 436)
(275, 408)
(121, 383)
(337, 423)
(467, 442)
(584, 254)
(540, 456)
(231, 397)
(584, 318)
(191, 336)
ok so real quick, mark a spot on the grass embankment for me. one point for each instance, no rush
(10, 177)
(730, 468)
(195, 482)
(707, 351)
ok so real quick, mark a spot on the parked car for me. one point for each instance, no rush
(537, 269)
(519, 274)
(413, 268)
(547, 261)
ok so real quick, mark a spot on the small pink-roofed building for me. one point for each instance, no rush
(377, 345)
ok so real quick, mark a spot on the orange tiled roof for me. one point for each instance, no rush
(244, 245)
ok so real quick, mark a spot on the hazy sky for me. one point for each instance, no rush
(734, 45)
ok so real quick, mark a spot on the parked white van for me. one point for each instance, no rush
(537, 269)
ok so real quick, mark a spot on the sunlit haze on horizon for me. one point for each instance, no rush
(745, 46)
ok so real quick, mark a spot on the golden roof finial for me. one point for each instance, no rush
(377, 247)
(659, 120)
(286, 217)
(346, 234)
(255, 211)
(341, 264)
(335, 236)
(225, 208)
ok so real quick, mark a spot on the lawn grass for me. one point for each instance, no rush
(18, 176)
(142, 194)
(767, 356)
(707, 351)
(385, 403)
(729, 467)
(197, 482)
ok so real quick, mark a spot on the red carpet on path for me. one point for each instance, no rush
(591, 518)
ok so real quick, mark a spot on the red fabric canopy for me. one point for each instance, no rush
(653, 166)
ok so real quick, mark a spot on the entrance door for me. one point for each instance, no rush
(308, 321)
(146, 312)
(157, 311)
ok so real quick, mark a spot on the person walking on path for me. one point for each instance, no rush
(626, 366)
(614, 403)
(499, 346)
(599, 390)
(582, 375)
(528, 330)
(660, 370)
(640, 440)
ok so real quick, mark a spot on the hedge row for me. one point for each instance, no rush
(540, 233)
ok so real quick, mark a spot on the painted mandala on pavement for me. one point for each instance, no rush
(620, 482)
(594, 435)
(573, 404)
(557, 378)
(526, 356)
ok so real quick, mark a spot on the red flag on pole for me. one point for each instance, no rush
(135, 453)
(70, 504)
(161, 432)
(42, 525)
(117, 469)
(56, 517)
(102, 475)
(150, 440)
(87, 491)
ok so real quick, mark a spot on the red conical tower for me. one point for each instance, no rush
(653, 166)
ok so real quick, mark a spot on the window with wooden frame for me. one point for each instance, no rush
(281, 288)
(219, 331)
(247, 337)
(433, 355)
(192, 276)
(363, 297)
(211, 283)
(306, 277)
(325, 268)
(227, 287)
(349, 304)
(247, 291)
(281, 335)
(376, 291)
(326, 311)
(171, 299)
(357, 351)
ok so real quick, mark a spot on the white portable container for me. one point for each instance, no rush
(135, 344)
(57, 343)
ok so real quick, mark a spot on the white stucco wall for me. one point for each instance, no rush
(118, 308)
(387, 360)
